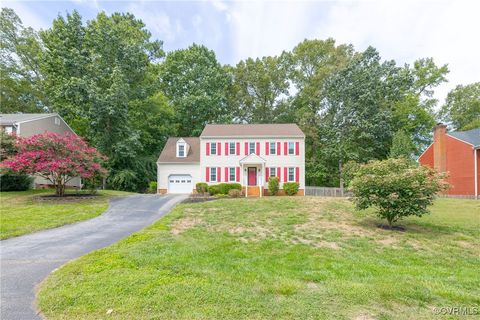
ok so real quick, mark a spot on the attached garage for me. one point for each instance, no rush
(180, 183)
(178, 167)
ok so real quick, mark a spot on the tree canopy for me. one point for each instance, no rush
(117, 88)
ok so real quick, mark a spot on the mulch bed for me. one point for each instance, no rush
(199, 198)
(66, 197)
(394, 228)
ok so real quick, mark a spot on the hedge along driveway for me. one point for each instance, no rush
(22, 213)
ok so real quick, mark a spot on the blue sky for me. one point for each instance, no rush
(401, 30)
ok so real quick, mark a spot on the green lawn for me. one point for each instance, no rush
(21, 213)
(276, 258)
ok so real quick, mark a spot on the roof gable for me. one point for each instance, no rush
(169, 152)
(13, 118)
(470, 136)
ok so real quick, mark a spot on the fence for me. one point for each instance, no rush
(327, 192)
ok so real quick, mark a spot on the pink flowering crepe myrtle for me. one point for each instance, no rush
(56, 157)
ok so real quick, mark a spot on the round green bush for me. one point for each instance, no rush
(273, 185)
(15, 182)
(201, 187)
(291, 188)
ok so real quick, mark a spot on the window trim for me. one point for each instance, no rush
(250, 144)
(213, 171)
(230, 174)
(293, 174)
(274, 170)
(274, 145)
(57, 121)
(212, 146)
(230, 144)
(181, 145)
(293, 148)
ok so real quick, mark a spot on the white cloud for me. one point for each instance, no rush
(406, 31)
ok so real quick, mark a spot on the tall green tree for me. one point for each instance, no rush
(402, 146)
(260, 90)
(462, 107)
(20, 57)
(196, 84)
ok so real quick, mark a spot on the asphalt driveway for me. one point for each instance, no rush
(27, 260)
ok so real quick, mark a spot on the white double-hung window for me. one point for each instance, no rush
(231, 174)
(231, 148)
(251, 147)
(291, 174)
(273, 148)
(273, 172)
(291, 147)
(213, 174)
(213, 148)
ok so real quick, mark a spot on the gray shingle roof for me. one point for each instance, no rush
(469, 136)
(13, 118)
(255, 130)
(169, 152)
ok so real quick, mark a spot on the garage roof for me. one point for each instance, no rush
(252, 130)
(169, 152)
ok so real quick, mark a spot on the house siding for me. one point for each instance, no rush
(33, 127)
(272, 160)
(165, 170)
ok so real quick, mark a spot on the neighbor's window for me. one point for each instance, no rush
(291, 174)
(231, 174)
(57, 121)
(181, 150)
(213, 174)
(213, 148)
(231, 148)
(9, 130)
(291, 148)
(273, 148)
(273, 172)
(251, 147)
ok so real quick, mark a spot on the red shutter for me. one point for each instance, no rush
(238, 148)
(267, 148)
(219, 149)
(285, 174)
(279, 173)
(207, 178)
(246, 148)
(258, 149)
(219, 174)
(208, 149)
(266, 174)
(285, 148)
(238, 174)
(279, 149)
(297, 174)
(226, 148)
(227, 176)
(297, 148)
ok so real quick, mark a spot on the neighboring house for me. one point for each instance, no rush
(244, 153)
(29, 124)
(456, 153)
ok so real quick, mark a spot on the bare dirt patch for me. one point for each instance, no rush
(181, 225)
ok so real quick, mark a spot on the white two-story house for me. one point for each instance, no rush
(244, 153)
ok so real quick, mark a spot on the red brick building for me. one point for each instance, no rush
(458, 154)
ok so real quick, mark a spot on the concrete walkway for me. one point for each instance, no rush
(27, 260)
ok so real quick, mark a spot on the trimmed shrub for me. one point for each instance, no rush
(273, 185)
(213, 190)
(15, 182)
(234, 193)
(291, 188)
(224, 188)
(152, 187)
(201, 187)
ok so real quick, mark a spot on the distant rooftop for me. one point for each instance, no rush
(469, 136)
(13, 118)
(256, 130)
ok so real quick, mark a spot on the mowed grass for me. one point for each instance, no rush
(276, 258)
(22, 213)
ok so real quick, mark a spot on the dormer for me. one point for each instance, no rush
(182, 148)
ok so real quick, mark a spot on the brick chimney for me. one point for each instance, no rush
(440, 147)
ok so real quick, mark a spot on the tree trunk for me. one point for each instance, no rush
(390, 222)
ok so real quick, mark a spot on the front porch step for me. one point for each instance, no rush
(251, 191)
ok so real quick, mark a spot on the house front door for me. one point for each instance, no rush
(252, 176)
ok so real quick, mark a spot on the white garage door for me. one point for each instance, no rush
(180, 183)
